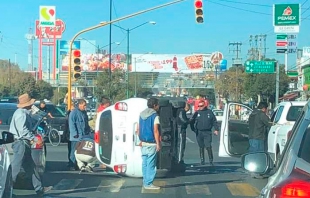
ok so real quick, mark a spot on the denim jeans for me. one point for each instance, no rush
(72, 155)
(148, 164)
(256, 145)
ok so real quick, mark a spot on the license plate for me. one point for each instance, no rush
(61, 132)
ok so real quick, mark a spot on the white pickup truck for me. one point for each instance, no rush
(283, 119)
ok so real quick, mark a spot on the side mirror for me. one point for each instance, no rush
(6, 137)
(260, 163)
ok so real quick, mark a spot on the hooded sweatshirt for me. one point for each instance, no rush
(258, 124)
(146, 125)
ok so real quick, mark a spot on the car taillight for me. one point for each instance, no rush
(0, 121)
(289, 135)
(38, 146)
(97, 137)
(120, 168)
(121, 106)
(296, 185)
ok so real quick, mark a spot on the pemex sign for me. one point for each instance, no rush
(286, 18)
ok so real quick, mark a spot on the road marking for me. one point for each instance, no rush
(242, 189)
(162, 184)
(189, 140)
(110, 185)
(197, 189)
(67, 184)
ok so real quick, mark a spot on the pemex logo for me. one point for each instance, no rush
(288, 11)
(47, 16)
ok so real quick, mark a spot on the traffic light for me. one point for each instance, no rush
(199, 11)
(76, 64)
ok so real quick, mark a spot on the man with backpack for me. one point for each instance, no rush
(202, 123)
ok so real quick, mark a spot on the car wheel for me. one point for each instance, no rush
(8, 190)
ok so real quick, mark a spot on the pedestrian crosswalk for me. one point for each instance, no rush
(117, 185)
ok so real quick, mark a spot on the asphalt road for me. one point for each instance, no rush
(226, 179)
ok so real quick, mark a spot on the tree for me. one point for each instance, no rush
(116, 88)
(264, 85)
(43, 90)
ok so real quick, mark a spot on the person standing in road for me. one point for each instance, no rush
(67, 136)
(78, 126)
(105, 102)
(202, 123)
(259, 123)
(21, 126)
(182, 122)
(148, 133)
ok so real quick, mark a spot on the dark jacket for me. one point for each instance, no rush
(204, 120)
(259, 123)
(182, 119)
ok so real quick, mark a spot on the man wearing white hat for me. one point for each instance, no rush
(21, 126)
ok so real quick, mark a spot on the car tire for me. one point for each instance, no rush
(8, 189)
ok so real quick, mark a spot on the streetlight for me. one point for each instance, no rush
(127, 60)
(136, 71)
(99, 48)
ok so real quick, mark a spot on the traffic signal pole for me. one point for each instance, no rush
(102, 24)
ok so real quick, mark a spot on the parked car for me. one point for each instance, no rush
(6, 181)
(283, 119)
(291, 175)
(59, 120)
(38, 152)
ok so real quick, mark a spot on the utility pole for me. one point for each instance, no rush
(236, 62)
(258, 47)
(110, 51)
(277, 83)
(10, 76)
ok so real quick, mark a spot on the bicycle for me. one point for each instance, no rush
(53, 134)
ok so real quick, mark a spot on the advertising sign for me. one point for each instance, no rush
(64, 46)
(223, 65)
(49, 32)
(171, 63)
(98, 62)
(216, 57)
(286, 18)
(47, 16)
(306, 51)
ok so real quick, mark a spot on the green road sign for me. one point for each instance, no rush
(281, 36)
(286, 15)
(259, 66)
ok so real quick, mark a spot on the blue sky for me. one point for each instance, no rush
(175, 32)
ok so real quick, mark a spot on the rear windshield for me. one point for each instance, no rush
(105, 137)
(293, 113)
(6, 115)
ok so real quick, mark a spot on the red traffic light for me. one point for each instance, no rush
(198, 4)
(77, 53)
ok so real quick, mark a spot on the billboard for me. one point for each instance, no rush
(171, 63)
(98, 62)
(49, 32)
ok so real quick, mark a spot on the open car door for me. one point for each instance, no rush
(234, 135)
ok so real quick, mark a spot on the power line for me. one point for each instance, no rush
(246, 3)
(240, 8)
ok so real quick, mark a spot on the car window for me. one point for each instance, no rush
(55, 111)
(293, 113)
(278, 114)
(304, 151)
(218, 113)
